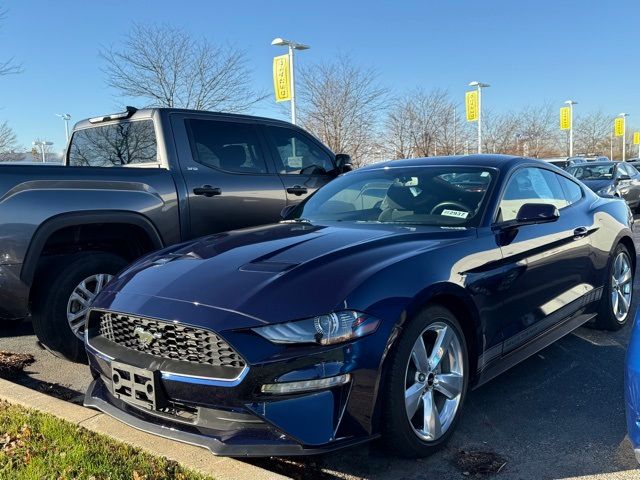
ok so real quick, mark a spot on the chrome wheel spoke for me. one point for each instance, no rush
(419, 355)
(623, 305)
(81, 299)
(440, 347)
(412, 396)
(431, 426)
(625, 277)
(449, 384)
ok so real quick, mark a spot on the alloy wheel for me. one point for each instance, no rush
(621, 286)
(434, 381)
(81, 299)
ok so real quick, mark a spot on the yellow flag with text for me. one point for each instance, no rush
(565, 118)
(636, 138)
(471, 103)
(618, 126)
(281, 78)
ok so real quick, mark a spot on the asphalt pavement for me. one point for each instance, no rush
(557, 415)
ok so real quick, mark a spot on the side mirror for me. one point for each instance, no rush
(343, 163)
(286, 211)
(530, 214)
(623, 177)
(534, 213)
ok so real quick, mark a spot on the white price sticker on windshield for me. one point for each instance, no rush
(454, 213)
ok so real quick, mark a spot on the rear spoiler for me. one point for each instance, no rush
(115, 116)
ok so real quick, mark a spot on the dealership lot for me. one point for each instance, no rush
(559, 414)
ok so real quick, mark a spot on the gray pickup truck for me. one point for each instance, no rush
(174, 175)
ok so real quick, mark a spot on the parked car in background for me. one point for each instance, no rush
(174, 175)
(632, 386)
(564, 162)
(615, 179)
(371, 309)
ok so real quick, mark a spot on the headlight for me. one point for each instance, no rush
(324, 329)
(607, 191)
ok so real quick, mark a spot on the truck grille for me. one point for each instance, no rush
(169, 340)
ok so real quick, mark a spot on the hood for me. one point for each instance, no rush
(267, 274)
(596, 185)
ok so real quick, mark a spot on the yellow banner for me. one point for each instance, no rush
(565, 118)
(281, 78)
(636, 138)
(618, 126)
(471, 102)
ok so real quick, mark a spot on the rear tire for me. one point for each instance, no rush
(417, 385)
(617, 292)
(52, 302)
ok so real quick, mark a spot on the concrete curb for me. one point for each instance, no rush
(195, 458)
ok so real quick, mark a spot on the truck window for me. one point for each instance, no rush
(297, 154)
(124, 143)
(229, 146)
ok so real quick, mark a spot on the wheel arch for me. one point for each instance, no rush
(79, 219)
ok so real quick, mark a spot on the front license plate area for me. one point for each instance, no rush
(136, 386)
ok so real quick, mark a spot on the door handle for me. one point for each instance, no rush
(297, 190)
(207, 191)
(580, 232)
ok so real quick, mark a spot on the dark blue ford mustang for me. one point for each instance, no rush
(369, 311)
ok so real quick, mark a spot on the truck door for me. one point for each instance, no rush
(230, 183)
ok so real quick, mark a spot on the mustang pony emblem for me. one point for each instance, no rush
(145, 338)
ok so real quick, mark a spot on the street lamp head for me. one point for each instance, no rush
(571, 102)
(478, 84)
(281, 42)
(624, 114)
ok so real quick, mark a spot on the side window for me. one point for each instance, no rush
(622, 170)
(117, 144)
(572, 190)
(298, 154)
(530, 185)
(229, 146)
(632, 170)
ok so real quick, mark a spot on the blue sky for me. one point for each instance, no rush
(530, 52)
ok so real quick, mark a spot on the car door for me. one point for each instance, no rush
(231, 182)
(303, 163)
(549, 268)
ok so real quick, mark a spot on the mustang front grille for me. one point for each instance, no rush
(168, 340)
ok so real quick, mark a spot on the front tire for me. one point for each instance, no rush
(426, 384)
(67, 288)
(615, 303)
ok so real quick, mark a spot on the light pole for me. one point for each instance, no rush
(624, 135)
(479, 86)
(281, 42)
(571, 103)
(42, 144)
(66, 117)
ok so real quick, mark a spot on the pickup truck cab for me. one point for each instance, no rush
(132, 183)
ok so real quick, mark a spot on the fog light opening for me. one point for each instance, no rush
(306, 385)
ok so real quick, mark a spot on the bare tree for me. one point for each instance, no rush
(592, 133)
(8, 139)
(421, 123)
(166, 67)
(8, 66)
(340, 103)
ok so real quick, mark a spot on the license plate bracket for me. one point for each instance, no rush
(136, 386)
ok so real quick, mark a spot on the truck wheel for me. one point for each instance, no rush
(66, 289)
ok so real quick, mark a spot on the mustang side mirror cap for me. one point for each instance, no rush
(343, 163)
(286, 211)
(623, 177)
(531, 214)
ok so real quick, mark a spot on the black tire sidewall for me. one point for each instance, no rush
(397, 432)
(56, 284)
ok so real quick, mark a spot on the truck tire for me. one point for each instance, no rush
(66, 288)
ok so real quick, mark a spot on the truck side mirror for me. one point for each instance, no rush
(343, 163)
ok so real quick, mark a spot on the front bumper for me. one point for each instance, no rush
(14, 293)
(233, 418)
(632, 387)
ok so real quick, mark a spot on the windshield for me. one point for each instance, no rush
(433, 195)
(593, 172)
